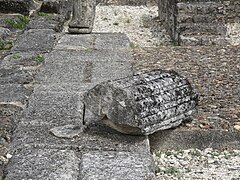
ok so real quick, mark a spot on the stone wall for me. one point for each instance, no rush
(128, 2)
(201, 22)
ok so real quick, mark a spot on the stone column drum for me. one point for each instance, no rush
(83, 16)
(143, 104)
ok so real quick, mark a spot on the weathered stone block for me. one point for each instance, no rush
(63, 7)
(15, 76)
(54, 22)
(83, 16)
(26, 61)
(15, 94)
(17, 6)
(144, 103)
(44, 164)
(36, 40)
(46, 108)
(116, 165)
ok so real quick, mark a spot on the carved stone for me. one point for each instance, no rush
(143, 103)
(83, 16)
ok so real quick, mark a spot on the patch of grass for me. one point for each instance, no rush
(171, 170)
(16, 56)
(133, 45)
(157, 170)
(6, 45)
(19, 23)
(42, 14)
(39, 58)
(196, 153)
(115, 23)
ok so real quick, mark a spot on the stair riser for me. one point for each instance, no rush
(202, 29)
(200, 41)
(199, 19)
(200, 8)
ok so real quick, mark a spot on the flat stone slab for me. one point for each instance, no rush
(116, 165)
(88, 55)
(82, 72)
(64, 87)
(27, 61)
(98, 137)
(54, 22)
(61, 73)
(110, 71)
(36, 40)
(112, 41)
(55, 109)
(44, 164)
(14, 94)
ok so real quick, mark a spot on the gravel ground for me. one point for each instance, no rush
(197, 164)
(139, 23)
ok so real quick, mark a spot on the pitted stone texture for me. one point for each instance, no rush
(17, 6)
(36, 40)
(104, 71)
(97, 137)
(87, 42)
(116, 165)
(14, 94)
(44, 164)
(113, 41)
(15, 76)
(105, 56)
(54, 22)
(76, 42)
(64, 87)
(53, 109)
(61, 73)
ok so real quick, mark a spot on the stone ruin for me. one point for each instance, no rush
(143, 103)
(197, 22)
(188, 22)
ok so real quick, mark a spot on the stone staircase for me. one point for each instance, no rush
(201, 22)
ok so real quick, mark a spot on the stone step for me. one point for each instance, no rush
(192, 29)
(53, 108)
(201, 8)
(88, 42)
(96, 137)
(192, 18)
(202, 40)
(44, 164)
(196, 1)
(116, 165)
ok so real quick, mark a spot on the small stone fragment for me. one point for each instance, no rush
(68, 131)
(237, 127)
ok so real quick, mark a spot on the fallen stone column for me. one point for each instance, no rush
(83, 16)
(143, 103)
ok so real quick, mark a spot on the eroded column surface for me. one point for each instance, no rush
(83, 16)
